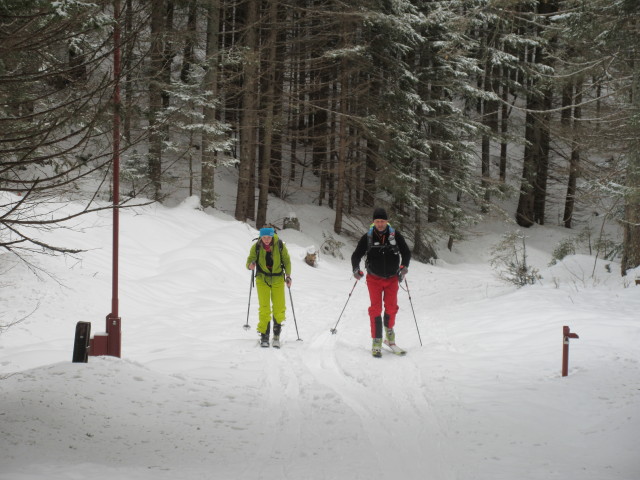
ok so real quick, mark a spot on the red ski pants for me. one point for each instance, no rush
(382, 291)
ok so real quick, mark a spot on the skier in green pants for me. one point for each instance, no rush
(269, 257)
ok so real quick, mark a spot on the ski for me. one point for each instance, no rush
(275, 343)
(395, 348)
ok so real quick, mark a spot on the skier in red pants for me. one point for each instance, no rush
(386, 264)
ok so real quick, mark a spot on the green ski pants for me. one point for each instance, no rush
(270, 291)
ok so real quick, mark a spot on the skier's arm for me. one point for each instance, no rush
(286, 260)
(359, 252)
(405, 252)
(252, 258)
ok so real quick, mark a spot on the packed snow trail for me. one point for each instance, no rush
(311, 398)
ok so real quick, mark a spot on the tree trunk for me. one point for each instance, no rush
(275, 175)
(207, 187)
(504, 127)
(167, 60)
(542, 175)
(320, 126)
(490, 120)
(155, 98)
(188, 57)
(333, 141)
(370, 171)
(422, 251)
(545, 8)
(524, 213)
(245, 198)
(342, 148)
(269, 107)
(486, 169)
(128, 74)
(574, 161)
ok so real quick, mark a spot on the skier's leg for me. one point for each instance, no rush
(278, 300)
(374, 286)
(264, 301)
(375, 310)
(390, 301)
(376, 327)
(277, 328)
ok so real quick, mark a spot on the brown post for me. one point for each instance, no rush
(566, 335)
(113, 319)
(114, 341)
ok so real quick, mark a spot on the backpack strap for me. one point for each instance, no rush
(260, 270)
(392, 237)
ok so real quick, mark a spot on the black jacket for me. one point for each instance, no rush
(383, 259)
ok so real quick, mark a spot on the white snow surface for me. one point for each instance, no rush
(195, 397)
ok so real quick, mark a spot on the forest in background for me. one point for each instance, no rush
(435, 109)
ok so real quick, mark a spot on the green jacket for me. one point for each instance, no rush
(280, 257)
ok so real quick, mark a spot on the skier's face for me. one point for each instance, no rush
(380, 224)
(266, 239)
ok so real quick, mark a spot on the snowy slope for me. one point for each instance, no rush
(194, 397)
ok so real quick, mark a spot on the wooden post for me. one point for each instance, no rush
(566, 335)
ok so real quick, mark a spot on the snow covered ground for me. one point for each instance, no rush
(194, 397)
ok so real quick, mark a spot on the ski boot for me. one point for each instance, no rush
(376, 347)
(390, 341)
(264, 340)
(390, 336)
(277, 327)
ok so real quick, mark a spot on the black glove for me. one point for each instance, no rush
(402, 271)
(357, 273)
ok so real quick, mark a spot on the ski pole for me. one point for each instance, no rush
(294, 315)
(246, 325)
(414, 312)
(333, 330)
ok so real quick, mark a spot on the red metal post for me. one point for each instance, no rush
(113, 319)
(566, 335)
(98, 345)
